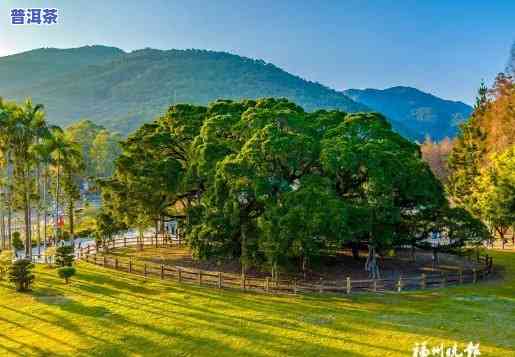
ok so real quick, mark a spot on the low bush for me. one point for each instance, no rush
(20, 273)
(64, 256)
(16, 242)
(66, 273)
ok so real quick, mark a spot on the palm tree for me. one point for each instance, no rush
(6, 127)
(67, 160)
(27, 129)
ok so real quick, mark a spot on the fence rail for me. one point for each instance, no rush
(220, 280)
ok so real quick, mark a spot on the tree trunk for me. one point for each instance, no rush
(58, 188)
(38, 210)
(71, 209)
(304, 266)
(243, 250)
(156, 233)
(355, 250)
(141, 238)
(28, 228)
(371, 265)
(502, 234)
(9, 222)
(436, 259)
(10, 202)
(3, 231)
(44, 210)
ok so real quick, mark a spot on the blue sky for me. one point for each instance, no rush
(443, 47)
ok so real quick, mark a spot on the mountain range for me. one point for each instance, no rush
(121, 90)
(421, 114)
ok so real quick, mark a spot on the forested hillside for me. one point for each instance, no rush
(121, 90)
(45, 66)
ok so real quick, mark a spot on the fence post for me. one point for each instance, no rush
(321, 286)
(162, 271)
(116, 263)
(444, 280)
(267, 284)
(474, 275)
(124, 241)
(243, 281)
(399, 283)
(145, 270)
(348, 285)
(460, 276)
(179, 274)
(375, 285)
(219, 280)
(295, 286)
(200, 277)
(130, 265)
(423, 281)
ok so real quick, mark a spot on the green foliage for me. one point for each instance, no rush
(99, 147)
(64, 256)
(22, 127)
(105, 149)
(495, 197)
(107, 92)
(465, 164)
(66, 273)
(20, 274)
(482, 159)
(268, 183)
(16, 241)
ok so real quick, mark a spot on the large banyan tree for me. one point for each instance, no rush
(272, 185)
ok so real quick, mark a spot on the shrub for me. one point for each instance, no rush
(64, 256)
(6, 259)
(66, 236)
(84, 232)
(66, 273)
(20, 273)
(16, 242)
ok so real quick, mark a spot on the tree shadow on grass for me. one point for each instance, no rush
(131, 285)
(254, 330)
(317, 304)
(254, 319)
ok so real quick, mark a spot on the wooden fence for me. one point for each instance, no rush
(248, 283)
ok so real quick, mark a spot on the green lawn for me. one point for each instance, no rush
(106, 313)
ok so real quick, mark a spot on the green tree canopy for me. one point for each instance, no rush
(268, 183)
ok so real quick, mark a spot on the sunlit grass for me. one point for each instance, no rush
(107, 313)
